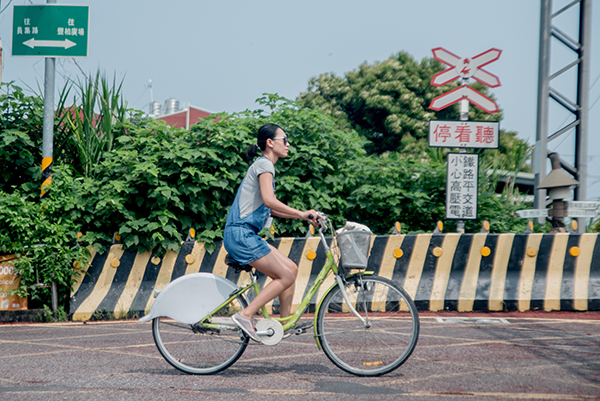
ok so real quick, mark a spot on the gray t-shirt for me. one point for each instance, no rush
(250, 196)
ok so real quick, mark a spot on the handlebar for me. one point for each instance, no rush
(322, 224)
(321, 221)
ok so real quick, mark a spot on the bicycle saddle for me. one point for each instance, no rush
(237, 267)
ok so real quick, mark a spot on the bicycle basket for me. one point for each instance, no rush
(354, 248)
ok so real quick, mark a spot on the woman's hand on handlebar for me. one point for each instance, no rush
(312, 216)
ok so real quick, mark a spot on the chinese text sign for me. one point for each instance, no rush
(461, 186)
(53, 30)
(463, 134)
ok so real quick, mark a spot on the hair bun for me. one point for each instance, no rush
(252, 151)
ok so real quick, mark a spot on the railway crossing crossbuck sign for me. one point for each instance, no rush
(465, 68)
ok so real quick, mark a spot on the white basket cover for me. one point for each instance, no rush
(354, 247)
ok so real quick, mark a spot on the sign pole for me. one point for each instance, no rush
(48, 142)
(464, 116)
(50, 31)
(48, 130)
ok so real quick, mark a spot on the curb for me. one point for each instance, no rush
(14, 316)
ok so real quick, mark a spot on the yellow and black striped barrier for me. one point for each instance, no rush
(46, 176)
(457, 272)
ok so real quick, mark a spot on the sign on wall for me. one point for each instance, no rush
(461, 186)
(9, 280)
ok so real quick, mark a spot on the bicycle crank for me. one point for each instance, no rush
(270, 331)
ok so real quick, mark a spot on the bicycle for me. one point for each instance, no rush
(365, 324)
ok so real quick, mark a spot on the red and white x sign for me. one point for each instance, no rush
(466, 67)
(468, 93)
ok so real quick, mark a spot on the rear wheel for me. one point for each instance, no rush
(203, 348)
(386, 339)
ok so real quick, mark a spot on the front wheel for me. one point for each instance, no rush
(204, 348)
(384, 341)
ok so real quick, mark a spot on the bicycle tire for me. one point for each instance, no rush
(195, 349)
(371, 350)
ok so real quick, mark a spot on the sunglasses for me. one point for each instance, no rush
(285, 139)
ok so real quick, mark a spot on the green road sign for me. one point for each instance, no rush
(51, 30)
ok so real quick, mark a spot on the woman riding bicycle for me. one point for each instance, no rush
(254, 203)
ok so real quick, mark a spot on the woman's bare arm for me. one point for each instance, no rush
(278, 208)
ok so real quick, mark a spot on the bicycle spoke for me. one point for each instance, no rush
(381, 346)
(199, 349)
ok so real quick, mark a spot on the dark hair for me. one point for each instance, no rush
(267, 131)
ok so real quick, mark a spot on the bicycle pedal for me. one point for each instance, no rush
(304, 326)
(300, 329)
(297, 332)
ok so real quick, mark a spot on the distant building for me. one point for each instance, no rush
(176, 117)
(185, 118)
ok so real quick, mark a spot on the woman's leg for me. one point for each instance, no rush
(283, 272)
(286, 296)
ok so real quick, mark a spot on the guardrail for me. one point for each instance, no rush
(458, 272)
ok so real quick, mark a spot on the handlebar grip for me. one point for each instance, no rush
(310, 216)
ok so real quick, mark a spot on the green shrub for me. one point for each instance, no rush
(43, 233)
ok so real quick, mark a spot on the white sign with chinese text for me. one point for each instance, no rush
(463, 134)
(582, 212)
(583, 205)
(532, 213)
(461, 186)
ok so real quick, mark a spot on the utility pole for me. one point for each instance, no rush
(578, 107)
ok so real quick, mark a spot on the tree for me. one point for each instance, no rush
(386, 102)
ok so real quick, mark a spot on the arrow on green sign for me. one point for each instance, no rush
(65, 44)
(51, 30)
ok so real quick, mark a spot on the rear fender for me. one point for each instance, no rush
(190, 298)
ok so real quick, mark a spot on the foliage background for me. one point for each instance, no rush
(358, 152)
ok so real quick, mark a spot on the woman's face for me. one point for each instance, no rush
(280, 143)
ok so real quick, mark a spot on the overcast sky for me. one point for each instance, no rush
(223, 55)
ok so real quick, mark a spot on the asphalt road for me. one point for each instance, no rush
(511, 356)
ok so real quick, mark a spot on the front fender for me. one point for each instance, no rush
(317, 339)
(190, 298)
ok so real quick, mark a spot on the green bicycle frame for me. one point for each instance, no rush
(290, 321)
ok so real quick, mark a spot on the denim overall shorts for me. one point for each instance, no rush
(241, 238)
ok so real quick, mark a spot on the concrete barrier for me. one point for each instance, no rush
(457, 272)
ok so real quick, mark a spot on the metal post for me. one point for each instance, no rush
(541, 144)
(48, 141)
(581, 131)
(464, 116)
(55, 300)
(0, 61)
(48, 131)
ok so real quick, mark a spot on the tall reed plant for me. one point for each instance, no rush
(94, 120)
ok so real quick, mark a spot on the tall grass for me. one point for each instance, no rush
(92, 122)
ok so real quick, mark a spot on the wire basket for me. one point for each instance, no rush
(354, 248)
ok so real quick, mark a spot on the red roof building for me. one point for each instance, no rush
(185, 118)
